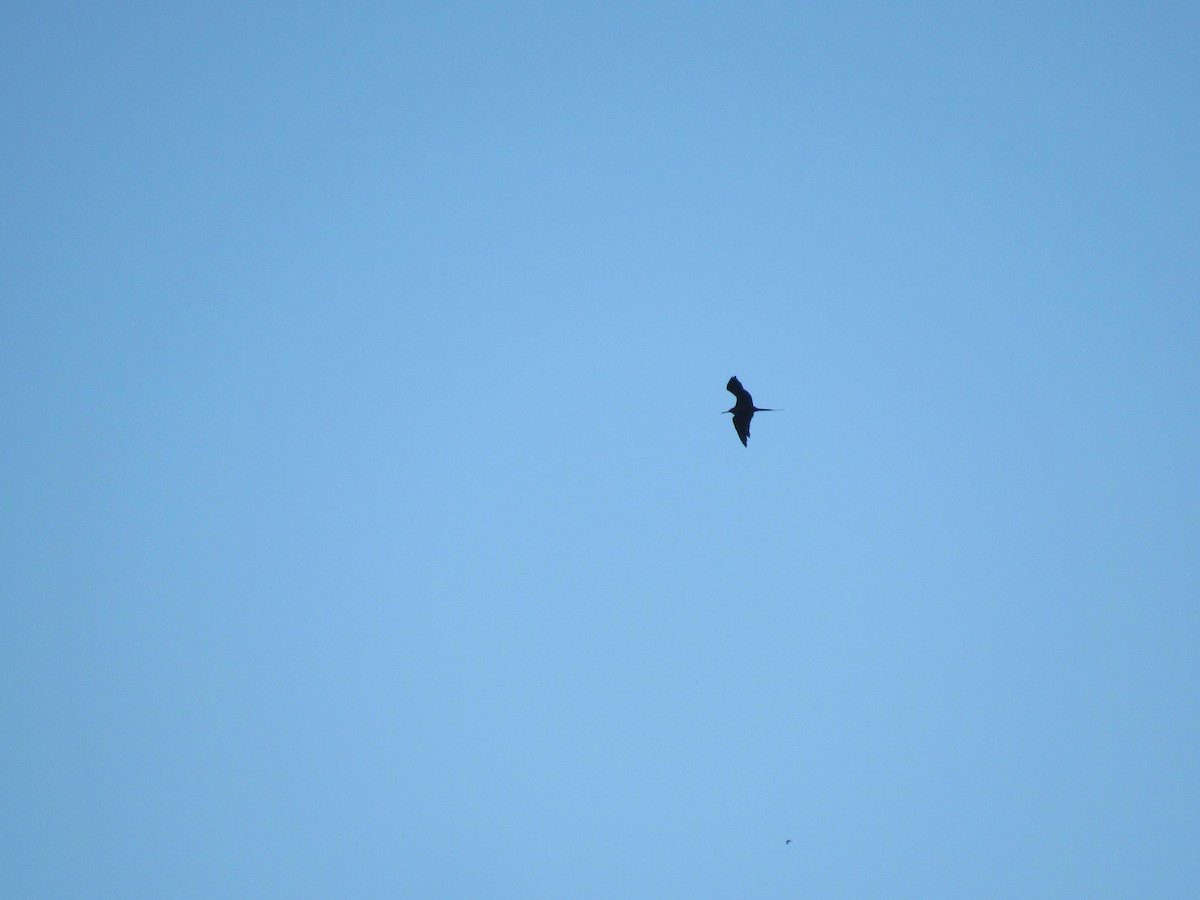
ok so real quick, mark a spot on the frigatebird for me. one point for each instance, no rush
(744, 410)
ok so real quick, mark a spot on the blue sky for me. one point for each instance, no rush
(370, 528)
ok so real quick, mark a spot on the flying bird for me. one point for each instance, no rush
(744, 410)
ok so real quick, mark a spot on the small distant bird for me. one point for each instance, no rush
(744, 410)
(788, 841)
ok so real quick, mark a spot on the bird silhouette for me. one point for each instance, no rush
(744, 410)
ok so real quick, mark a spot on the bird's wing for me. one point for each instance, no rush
(741, 424)
(735, 387)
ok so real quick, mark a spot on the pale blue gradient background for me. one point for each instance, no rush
(370, 528)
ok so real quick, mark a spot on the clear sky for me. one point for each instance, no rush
(370, 527)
